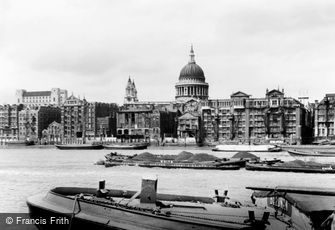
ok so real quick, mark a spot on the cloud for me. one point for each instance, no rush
(91, 47)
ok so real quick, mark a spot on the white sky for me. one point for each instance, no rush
(90, 47)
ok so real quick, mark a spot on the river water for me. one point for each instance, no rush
(29, 171)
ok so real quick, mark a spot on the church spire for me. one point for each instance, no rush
(192, 55)
(131, 92)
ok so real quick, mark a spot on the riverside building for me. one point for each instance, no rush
(80, 118)
(33, 120)
(324, 118)
(9, 122)
(55, 96)
(145, 122)
(274, 117)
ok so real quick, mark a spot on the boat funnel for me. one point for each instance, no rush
(149, 191)
(102, 192)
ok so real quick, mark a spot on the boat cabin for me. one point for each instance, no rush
(303, 208)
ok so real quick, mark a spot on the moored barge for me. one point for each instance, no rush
(89, 208)
(175, 165)
(183, 160)
(305, 153)
(294, 166)
(136, 146)
(80, 146)
(246, 148)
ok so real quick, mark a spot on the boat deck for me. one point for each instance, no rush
(126, 213)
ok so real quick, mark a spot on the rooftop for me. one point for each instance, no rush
(36, 93)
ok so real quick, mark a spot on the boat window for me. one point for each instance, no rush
(281, 205)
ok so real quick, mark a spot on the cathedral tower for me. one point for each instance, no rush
(131, 92)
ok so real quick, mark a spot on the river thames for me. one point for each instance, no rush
(29, 171)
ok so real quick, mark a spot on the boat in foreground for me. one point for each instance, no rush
(126, 146)
(89, 208)
(80, 146)
(246, 148)
(310, 153)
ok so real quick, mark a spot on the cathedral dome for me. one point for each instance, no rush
(192, 70)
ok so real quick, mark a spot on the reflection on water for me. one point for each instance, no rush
(25, 172)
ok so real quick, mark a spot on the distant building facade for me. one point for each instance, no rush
(189, 121)
(274, 117)
(145, 122)
(324, 118)
(80, 118)
(55, 96)
(32, 121)
(9, 121)
(53, 133)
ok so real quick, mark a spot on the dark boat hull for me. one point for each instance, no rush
(259, 167)
(315, 148)
(189, 166)
(20, 143)
(240, 163)
(310, 154)
(126, 147)
(79, 147)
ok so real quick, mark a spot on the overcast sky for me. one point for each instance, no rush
(91, 47)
